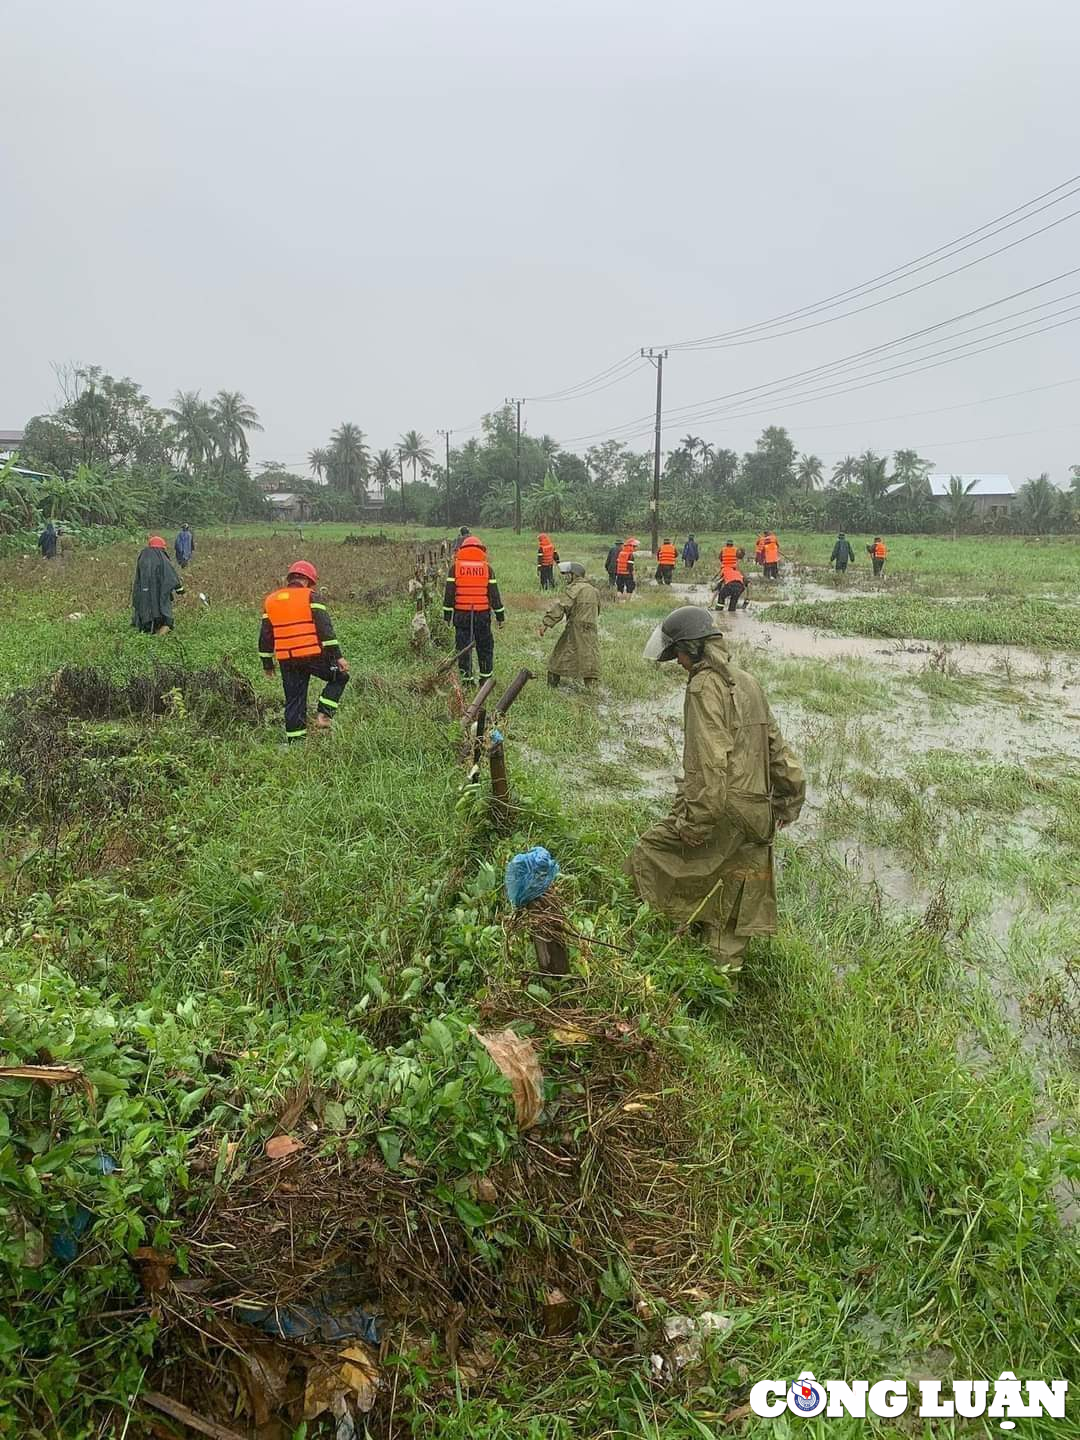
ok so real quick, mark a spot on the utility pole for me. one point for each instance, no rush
(401, 482)
(657, 357)
(447, 433)
(514, 400)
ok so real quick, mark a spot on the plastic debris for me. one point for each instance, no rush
(312, 1321)
(687, 1334)
(530, 874)
(518, 1061)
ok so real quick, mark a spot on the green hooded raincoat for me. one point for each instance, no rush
(152, 592)
(577, 651)
(739, 780)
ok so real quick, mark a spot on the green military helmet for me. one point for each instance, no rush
(571, 567)
(681, 628)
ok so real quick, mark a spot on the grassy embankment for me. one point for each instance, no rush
(208, 922)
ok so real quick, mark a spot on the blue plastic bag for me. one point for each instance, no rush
(530, 875)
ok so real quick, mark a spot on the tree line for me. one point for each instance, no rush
(107, 456)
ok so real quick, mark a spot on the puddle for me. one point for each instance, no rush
(876, 865)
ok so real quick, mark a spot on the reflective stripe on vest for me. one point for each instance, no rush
(728, 556)
(547, 552)
(471, 576)
(879, 551)
(667, 555)
(289, 612)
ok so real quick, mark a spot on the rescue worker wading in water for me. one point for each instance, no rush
(547, 557)
(297, 632)
(470, 599)
(728, 555)
(666, 556)
(710, 861)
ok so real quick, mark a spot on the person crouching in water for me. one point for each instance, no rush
(576, 655)
(666, 556)
(732, 588)
(710, 862)
(156, 582)
(547, 557)
(298, 633)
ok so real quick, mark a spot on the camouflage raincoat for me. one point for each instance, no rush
(577, 651)
(740, 780)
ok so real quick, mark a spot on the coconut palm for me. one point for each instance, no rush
(958, 505)
(194, 431)
(384, 470)
(234, 416)
(909, 472)
(873, 481)
(845, 470)
(349, 458)
(415, 449)
(319, 461)
(1039, 503)
(548, 502)
(809, 471)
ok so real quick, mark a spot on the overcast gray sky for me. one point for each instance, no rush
(399, 213)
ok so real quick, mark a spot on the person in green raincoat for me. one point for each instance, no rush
(155, 584)
(577, 650)
(710, 861)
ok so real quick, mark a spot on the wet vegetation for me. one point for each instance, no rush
(271, 966)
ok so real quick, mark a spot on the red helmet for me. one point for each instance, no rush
(156, 543)
(305, 568)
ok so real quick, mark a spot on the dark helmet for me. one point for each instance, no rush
(682, 627)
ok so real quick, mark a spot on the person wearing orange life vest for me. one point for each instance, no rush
(732, 587)
(470, 599)
(877, 552)
(728, 555)
(624, 568)
(771, 556)
(666, 556)
(298, 634)
(759, 551)
(547, 557)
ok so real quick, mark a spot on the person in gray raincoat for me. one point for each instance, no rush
(710, 861)
(577, 651)
(156, 582)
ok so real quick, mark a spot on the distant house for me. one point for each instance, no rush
(10, 441)
(990, 494)
(284, 505)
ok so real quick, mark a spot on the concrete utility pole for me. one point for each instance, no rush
(657, 357)
(513, 400)
(447, 433)
(401, 481)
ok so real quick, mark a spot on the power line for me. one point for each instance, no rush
(632, 359)
(890, 276)
(584, 394)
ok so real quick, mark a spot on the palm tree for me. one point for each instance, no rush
(689, 445)
(873, 481)
(416, 450)
(194, 429)
(547, 502)
(959, 508)
(319, 461)
(909, 472)
(845, 470)
(234, 416)
(1039, 503)
(348, 458)
(809, 472)
(705, 452)
(383, 470)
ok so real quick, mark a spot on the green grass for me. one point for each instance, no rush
(1034, 624)
(835, 1175)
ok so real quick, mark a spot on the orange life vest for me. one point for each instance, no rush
(547, 551)
(728, 556)
(771, 551)
(289, 612)
(625, 561)
(732, 573)
(472, 574)
(666, 555)
(759, 545)
(879, 550)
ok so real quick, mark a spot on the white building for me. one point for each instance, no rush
(991, 494)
